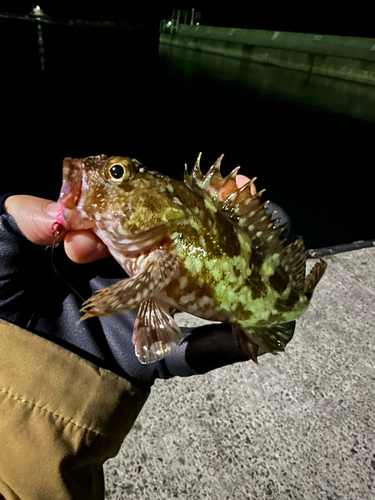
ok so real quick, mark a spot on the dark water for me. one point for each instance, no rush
(99, 93)
(307, 138)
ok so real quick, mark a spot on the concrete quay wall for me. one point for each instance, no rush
(347, 58)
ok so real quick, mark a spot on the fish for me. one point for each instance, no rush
(201, 245)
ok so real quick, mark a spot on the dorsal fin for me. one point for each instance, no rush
(219, 188)
(293, 261)
(241, 206)
(314, 276)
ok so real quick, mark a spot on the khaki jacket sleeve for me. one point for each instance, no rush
(61, 417)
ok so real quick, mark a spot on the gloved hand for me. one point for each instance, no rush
(54, 312)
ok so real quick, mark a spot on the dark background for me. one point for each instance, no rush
(323, 17)
(103, 89)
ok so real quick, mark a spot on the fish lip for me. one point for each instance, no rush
(72, 183)
(70, 192)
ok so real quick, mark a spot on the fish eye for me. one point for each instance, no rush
(118, 172)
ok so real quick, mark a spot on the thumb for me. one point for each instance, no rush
(34, 217)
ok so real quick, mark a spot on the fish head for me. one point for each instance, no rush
(117, 196)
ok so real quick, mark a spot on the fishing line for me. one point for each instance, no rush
(56, 230)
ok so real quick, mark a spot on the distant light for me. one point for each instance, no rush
(197, 24)
(37, 11)
(169, 23)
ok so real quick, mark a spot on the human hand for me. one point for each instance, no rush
(35, 216)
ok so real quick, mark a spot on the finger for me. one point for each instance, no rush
(241, 180)
(34, 217)
(84, 246)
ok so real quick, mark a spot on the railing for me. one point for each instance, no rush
(191, 17)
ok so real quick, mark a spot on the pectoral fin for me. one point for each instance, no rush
(155, 332)
(159, 269)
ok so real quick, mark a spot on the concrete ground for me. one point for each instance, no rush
(300, 425)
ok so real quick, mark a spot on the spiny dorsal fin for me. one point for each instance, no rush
(219, 188)
(241, 206)
(293, 260)
(195, 177)
(223, 191)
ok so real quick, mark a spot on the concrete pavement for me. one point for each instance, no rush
(298, 426)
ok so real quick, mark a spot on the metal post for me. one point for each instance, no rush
(38, 14)
(41, 47)
(175, 20)
(192, 16)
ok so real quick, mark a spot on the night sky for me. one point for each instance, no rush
(306, 17)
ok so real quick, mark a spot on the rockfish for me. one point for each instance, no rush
(201, 245)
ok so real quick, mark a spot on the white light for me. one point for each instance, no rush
(169, 23)
(37, 10)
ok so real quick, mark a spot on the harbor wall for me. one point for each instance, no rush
(347, 58)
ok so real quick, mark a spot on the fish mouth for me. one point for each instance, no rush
(72, 190)
(72, 178)
(72, 182)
